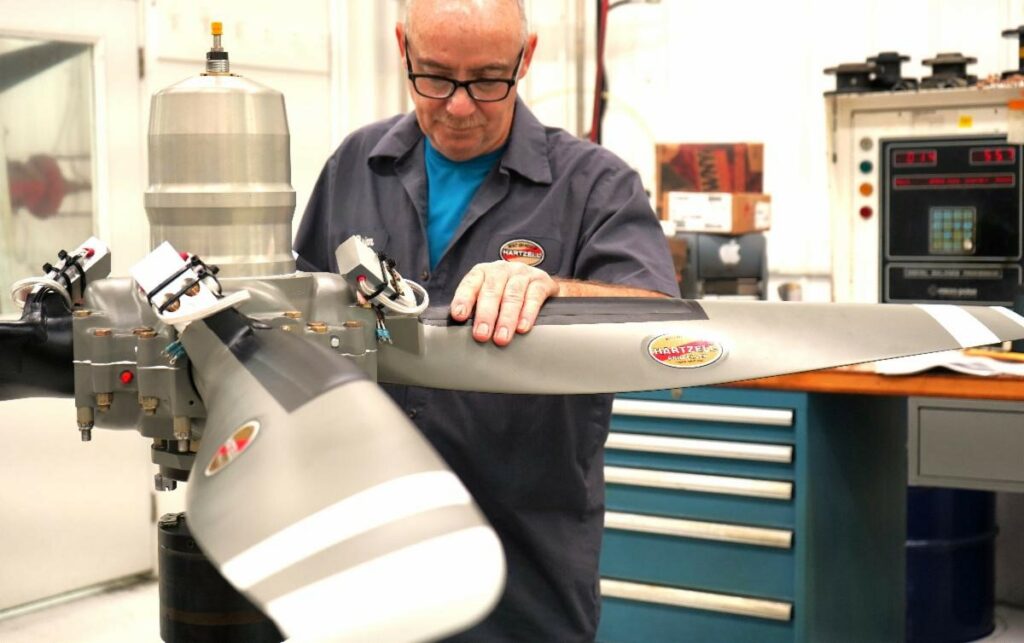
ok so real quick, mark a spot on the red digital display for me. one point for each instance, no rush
(993, 155)
(915, 158)
(953, 181)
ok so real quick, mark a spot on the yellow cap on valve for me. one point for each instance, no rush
(216, 28)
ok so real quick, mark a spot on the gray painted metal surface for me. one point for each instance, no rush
(754, 339)
(278, 516)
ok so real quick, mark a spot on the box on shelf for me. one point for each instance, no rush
(708, 167)
(718, 212)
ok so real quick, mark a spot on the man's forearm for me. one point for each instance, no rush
(573, 288)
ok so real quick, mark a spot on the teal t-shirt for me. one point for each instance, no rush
(450, 187)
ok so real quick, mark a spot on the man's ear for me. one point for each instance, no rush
(400, 37)
(531, 45)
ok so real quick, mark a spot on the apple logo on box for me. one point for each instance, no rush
(729, 253)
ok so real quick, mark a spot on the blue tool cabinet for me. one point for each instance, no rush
(740, 515)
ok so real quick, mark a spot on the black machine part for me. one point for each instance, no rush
(1018, 33)
(196, 603)
(853, 77)
(949, 70)
(889, 76)
(36, 351)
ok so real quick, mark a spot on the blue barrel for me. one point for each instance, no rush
(950, 565)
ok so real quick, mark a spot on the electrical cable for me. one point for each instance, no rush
(396, 306)
(23, 287)
(600, 82)
(601, 90)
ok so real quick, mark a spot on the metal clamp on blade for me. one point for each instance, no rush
(372, 274)
(177, 286)
(88, 262)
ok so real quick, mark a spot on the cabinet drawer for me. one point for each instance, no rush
(700, 455)
(720, 413)
(634, 612)
(718, 421)
(697, 505)
(701, 448)
(967, 443)
(701, 483)
(714, 557)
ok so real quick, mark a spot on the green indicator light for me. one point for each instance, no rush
(866, 167)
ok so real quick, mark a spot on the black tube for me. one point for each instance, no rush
(36, 356)
(197, 605)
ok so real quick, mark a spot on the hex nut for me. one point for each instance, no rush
(144, 332)
(103, 401)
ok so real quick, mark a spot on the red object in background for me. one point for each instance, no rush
(38, 185)
(993, 155)
(709, 167)
(915, 158)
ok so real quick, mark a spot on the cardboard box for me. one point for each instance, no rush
(708, 167)
(718, 212)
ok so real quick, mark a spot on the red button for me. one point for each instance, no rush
(127, 377)
(866, 212)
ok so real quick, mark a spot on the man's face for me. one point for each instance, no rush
(464, 41)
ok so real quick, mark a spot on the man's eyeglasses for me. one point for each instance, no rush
(483, 90)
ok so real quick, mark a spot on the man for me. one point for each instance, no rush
(495, 213)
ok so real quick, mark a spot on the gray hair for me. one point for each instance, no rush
(521, 5)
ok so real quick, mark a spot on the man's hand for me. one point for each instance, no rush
(507, 297)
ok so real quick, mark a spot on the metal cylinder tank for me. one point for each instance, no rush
(220, 174)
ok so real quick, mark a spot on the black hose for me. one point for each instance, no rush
(36, 355)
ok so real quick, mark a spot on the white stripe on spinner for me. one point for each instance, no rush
(1009, 314)
(359, 513)
(959, 323)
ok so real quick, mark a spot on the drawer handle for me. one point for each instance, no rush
(776, 490)
(703, 412)
(760, 536)
(702, 448)
(760, 608)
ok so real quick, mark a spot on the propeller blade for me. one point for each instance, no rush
(316, 497)
(595, 345)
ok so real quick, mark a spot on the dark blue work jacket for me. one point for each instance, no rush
(533, 463)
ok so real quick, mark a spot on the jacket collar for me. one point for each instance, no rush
(526, 154)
